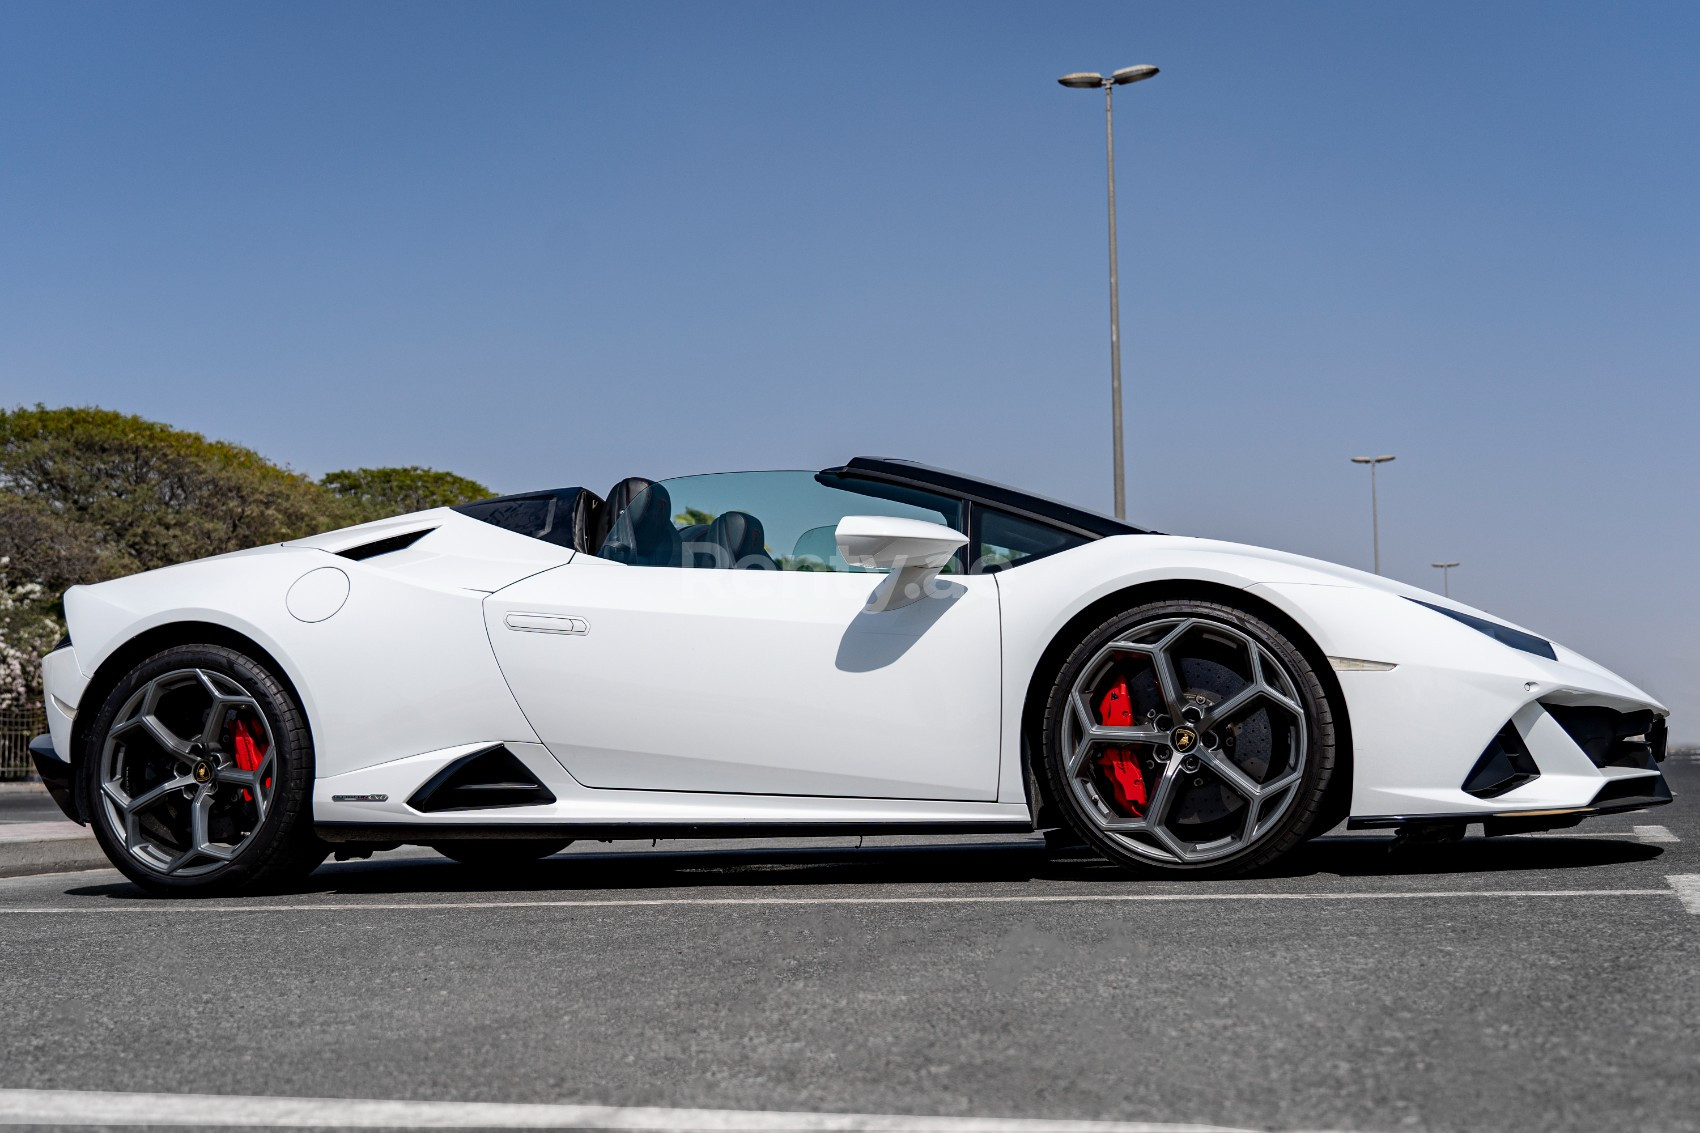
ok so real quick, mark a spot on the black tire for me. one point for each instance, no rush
(498, 853)
(277, 850)
(1312, 735)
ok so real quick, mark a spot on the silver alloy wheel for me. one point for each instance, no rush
(1215, 720)
(171, 776)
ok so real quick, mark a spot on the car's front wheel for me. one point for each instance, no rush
(1189, 738)
(198, 771)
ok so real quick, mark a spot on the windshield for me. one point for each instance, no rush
(764, 520)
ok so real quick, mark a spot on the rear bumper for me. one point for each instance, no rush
(55, 774)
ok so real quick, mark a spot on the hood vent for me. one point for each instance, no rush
(494, 777)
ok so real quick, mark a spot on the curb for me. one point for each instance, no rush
(51, 855)
(28, 848)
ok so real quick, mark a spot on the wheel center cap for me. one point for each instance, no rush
(203, 772)
(1183, 740)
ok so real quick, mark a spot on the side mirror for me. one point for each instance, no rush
(913, 550)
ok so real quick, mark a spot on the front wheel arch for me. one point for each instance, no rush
(1337, 804)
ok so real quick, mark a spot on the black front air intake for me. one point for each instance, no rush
(1613, 739)
(494, 777)
(1632, 794)
(1504, 766)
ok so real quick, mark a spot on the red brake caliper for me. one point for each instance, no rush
(249, 753)
(1119, 763)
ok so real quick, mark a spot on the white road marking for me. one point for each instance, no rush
(1651, 835)
(165, 906)
(1687, 886)
(77, 1107)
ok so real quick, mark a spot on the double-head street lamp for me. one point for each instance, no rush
(1445, 570)
(1086, 80)
(1374, 505)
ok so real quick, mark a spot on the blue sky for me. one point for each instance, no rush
(546, 244)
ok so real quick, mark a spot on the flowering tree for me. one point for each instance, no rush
(26, 633)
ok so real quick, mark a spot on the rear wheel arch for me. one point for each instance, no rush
(1339, 799)
(138, 649)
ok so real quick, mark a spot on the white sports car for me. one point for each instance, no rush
(880, 647)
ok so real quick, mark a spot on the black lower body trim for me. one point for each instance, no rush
(56, 775)
(410, 832)
(1614, 797)
(1632, 794)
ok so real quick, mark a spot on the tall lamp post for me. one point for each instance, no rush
(1445, 570)
(1374, 503)
(1086, 80)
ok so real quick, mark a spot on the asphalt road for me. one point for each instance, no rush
(1543, 983)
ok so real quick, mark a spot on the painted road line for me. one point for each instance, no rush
(78, 1107)
(1650, 835)
(1687, 886)
(146, 907)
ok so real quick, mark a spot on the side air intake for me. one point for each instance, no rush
(1504, 766)
(494, 777)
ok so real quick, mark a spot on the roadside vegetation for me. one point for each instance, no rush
(90, 494)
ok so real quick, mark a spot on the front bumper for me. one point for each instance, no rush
(1421, 727)
(56, 775)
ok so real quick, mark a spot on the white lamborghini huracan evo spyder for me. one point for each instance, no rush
(880, 647)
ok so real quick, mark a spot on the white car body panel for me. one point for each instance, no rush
(756, 681)
(404, 666)
(671, 696)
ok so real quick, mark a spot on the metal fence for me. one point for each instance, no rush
(17, 727)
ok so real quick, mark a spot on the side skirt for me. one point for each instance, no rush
(413, 832)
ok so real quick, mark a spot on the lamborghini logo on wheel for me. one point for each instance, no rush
(1184, 739)
(203, 771)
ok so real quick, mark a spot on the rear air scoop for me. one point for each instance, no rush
(442, 548)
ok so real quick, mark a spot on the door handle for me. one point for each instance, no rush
(547, 623)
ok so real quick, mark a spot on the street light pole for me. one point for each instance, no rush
(1374, 503)
(1445, 577)
(1086, 80)
(1118, 462)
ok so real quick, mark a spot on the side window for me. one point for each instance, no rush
(1008, 540)
(760, 520)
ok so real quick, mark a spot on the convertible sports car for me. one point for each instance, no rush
(875, 648)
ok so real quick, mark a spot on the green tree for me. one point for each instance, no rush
(54, 550)
(141, 494)
(377, 493)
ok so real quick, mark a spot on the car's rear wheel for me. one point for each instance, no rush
(1189, 738)
(198, 772)
(495, 853)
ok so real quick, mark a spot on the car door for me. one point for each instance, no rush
(756, 668)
